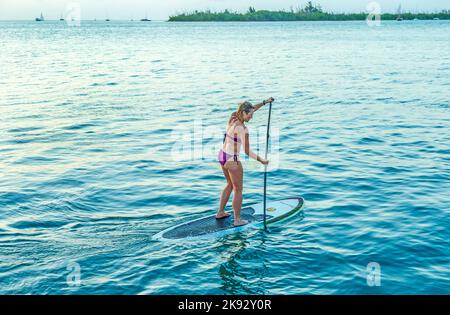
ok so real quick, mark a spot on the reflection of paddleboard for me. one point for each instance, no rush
(209, 226)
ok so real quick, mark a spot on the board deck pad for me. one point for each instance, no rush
(209, 225)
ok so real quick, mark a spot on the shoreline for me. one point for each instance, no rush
(228, 21)
(300, 16)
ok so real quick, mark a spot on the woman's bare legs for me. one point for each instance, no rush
(225, 196)
(236, 175)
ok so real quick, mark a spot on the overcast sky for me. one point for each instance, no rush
(161, 9)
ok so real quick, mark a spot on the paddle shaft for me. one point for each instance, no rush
(265, 166)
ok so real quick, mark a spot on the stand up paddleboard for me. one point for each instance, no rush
(209, 226)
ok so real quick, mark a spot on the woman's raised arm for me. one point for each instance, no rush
(258, 106)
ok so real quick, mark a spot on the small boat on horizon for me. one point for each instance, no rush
(40, 19)
(399, 12)
(146, 19)
(61, 18)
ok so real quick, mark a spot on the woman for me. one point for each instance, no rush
(236, 134)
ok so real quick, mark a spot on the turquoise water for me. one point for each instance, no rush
(90, 116)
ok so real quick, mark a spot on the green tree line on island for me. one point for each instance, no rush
(310, 12)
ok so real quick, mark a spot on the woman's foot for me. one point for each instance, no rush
(240, 222)
(222, 214)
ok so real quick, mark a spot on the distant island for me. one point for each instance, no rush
(310, 12)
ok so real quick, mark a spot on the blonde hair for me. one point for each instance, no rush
(243, 107)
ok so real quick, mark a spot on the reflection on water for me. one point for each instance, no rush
(244, 269)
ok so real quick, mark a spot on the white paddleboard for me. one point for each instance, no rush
(209, 226)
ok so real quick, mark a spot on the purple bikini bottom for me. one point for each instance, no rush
(224, 157)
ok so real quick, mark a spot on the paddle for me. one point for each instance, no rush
(265, 166)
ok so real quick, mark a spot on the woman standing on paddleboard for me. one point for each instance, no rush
(235, 135)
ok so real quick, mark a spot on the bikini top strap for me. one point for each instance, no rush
(234, 138)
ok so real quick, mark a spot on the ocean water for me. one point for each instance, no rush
(92, 119)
